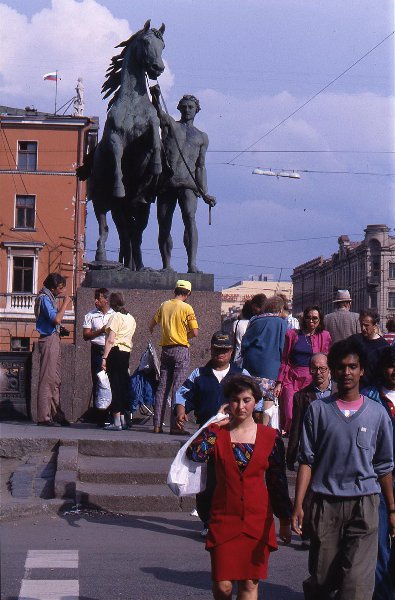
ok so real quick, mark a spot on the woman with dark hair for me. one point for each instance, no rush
(239, 329)
(241, 529)
(300, 345)
(119, 332)
(48, 319)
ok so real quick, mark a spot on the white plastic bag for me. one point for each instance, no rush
(186, 477)
(273, 412)
(103, 391)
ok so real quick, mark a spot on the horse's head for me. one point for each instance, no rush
(149, 50)
(141, 52)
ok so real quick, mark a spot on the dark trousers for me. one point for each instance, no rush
(385, 568)
(343, 547)
(204, 499)
(118, 374)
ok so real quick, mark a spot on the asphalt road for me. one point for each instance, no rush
(107, 557)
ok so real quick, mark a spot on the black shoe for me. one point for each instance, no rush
(48, 424)
(62, 422)
(174, 431)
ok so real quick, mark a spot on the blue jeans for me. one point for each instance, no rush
(384, 587)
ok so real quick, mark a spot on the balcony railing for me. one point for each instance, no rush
(17, 302)
(21, 304)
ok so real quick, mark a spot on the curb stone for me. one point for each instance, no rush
(26, 508)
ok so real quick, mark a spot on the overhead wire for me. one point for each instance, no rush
(314, 96)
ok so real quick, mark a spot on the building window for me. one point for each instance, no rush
(27, 156)
(23, 274)
(392, 270)
(376, 267)
(25, 212)
(373, 299)
(391, 299)
(20, 344)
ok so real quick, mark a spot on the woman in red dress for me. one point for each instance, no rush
(241, 529)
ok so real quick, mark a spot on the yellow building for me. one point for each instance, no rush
(233, 297)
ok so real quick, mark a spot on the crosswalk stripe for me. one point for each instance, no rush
(49, 589)
(52, 559)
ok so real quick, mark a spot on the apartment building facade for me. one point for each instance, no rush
(43, 213)
(365, 268)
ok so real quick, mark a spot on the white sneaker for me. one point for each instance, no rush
(204, 533)
(194, 513)
(113, 427)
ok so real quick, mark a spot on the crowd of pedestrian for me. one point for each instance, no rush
(325, 385)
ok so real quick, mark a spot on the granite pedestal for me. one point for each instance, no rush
(142, 303)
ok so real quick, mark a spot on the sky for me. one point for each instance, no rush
(251, 64)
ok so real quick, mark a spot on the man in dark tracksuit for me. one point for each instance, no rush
(202, 393)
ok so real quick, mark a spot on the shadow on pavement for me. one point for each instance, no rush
(188, 527)
(201, 580)
(196, 579)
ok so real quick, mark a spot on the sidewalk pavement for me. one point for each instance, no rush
(19, 438)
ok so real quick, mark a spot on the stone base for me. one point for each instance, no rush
(76, 385)
(125, 279)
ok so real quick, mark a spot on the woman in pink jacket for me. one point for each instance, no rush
(300, 345)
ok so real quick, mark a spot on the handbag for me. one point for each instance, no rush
(103, 391)
(186, 477)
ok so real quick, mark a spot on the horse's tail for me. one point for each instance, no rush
(84, 171)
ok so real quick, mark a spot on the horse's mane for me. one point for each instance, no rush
(112, 81)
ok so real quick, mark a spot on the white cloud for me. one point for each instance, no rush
(77, 38)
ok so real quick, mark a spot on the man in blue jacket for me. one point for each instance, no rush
(202, 393)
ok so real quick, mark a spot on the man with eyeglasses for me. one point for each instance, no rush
(320, 387)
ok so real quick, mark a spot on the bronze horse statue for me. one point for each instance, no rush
(126, 164)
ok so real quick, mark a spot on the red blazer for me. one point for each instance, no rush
(321, 342)
(241, 502)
